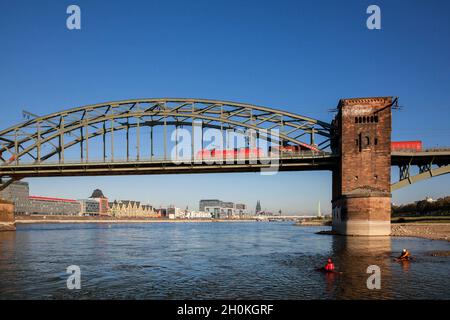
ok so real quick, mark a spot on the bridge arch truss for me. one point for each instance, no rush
(44, 139)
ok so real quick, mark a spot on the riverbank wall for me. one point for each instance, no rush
(7, 221)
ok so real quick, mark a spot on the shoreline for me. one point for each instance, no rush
(61, 220)
(431, 231)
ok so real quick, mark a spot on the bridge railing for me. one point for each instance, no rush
(436, 149)
(176, 160)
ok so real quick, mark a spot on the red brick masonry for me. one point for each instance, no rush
(362, 179)
(7, 222)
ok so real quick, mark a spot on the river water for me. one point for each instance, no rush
(235, 260)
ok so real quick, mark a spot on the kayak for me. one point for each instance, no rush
(329, 271)
(403, 259)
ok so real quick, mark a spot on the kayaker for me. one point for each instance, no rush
(405, 255)
(329, 266)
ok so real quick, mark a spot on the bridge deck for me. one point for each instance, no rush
(160, 166)
(419, 158)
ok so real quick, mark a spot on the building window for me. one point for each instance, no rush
(367, 141)
(376, 118)
(356, 119)
(375, 141)
(359, 142)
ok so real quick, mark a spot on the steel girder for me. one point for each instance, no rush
(425, 164)
(41, 138)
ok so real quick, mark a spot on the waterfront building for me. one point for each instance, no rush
(209, 203)
(89, 207)
(177, 213)
(128, 208)
(198, 215)
(220, 212)
(17, 193)
(216, 212)
(240, 209)
(222, 209)
(103, 204)
(57, 206)
(161, 212)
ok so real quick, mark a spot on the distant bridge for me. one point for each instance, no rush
(428, 164)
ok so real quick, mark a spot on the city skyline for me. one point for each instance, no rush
(45, 70)
(149, 202)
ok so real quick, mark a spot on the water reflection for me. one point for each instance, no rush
(330, 281)
(353, 255)
(406, 265)
(213, 261)
(7, 240)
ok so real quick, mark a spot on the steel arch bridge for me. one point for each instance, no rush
(45, 145)
(118, 137)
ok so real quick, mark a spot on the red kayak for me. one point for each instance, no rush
(328, 271)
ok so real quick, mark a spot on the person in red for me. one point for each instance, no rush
(329, 266)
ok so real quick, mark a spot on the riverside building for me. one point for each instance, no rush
(221, 209)
(56, 206)
(128, 208)
(17, 193)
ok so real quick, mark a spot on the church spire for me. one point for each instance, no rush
(258, 207)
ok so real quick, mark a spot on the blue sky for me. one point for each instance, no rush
(300, 56)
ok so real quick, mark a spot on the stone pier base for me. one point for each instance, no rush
(362, 215)
(7, 220)
(362, 228)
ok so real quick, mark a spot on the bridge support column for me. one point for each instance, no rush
(7, 221)
(362, 178)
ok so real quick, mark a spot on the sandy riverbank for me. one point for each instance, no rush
(313, 223)
(434, 231)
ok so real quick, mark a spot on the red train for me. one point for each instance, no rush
(241, 153)
(293, 149)
(415, 146)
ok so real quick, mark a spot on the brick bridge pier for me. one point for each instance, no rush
(7, 220)
(361, 197)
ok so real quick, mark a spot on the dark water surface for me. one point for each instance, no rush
(236, 260)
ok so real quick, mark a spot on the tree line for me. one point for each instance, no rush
(440, 206)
